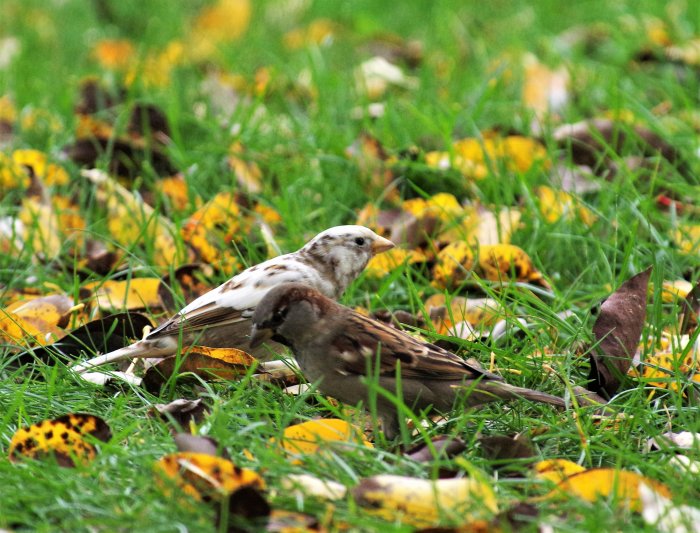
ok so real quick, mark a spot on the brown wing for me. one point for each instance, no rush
(361, 337)
(206, 316)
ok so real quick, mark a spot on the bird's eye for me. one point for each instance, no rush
(360, 241)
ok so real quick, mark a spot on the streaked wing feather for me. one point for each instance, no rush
(206, 316)
(362, 336)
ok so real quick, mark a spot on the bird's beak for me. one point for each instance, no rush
(258, 336)
(380, 245)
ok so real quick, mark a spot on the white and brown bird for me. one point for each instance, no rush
(221, 317)
(336, 347)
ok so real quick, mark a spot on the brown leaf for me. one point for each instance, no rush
(187, 442)
(445, 447)
(507, 448)
(183, 412)
(691, 310)
(99, 336)
(591, 142)
(207, 363)
(617, 330)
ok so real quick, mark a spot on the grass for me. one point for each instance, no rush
(300, 142)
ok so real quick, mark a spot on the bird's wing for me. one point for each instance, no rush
(358, 342)
(235, 300)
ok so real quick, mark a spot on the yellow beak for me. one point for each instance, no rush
(380, 245)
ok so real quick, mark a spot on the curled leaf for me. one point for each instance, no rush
(421, 502)
(617, 330)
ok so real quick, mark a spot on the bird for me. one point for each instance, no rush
(220, 318)
(337, 348)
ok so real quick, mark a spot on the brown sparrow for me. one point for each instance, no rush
(221, 317)
(336, 347)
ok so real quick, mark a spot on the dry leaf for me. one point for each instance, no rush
(130, 294)
(183, 412)
(660, 512)
(202, 475)
(421, 502)
(621, 485)
(556, 470)
(102, 335)
(62, 437)
(617, 330)
(441, 447)
(507, 261)
(206, 363)
(308, 485)
(309, 438)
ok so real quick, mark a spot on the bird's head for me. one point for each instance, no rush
(285, 313)
(346, 250)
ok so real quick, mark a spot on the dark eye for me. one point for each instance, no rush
(360, 241)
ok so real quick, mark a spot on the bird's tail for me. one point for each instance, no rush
(501, 389)
(143, 348)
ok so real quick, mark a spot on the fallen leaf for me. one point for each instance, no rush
(309, 438)
(186, 442)
(183, 412)
(556, 470)
(204, 476)
(206, 363)
(507, 261)
(421, 502)
(685, 440)
(440, 447)
(660, 512)
(621, 485)
(617, 331)
(62, 437)
(130, 294)
(188, 280)
(308, 485)
(506, 449)
(102, 335)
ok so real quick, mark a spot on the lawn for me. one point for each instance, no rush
(435, 122)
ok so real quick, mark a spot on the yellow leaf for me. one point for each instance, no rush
(318, 32)
(545, 90)
(135, 293)
(664, 369)
(453, 265)
(472, 156)
(12, 175)
(8, 111)
(41, 228)
(210, 230)
(555, 205)
(621, 485)
(312, 437)
(248, 174)
(131, 220)
(421, 502)
(114, 54)
(380, 265)
(222, 22)
(556, 470)
(176, 190)
(688, 238)
(478, 312)
(62, 437)
(507, 261)
(673, 290)
(203, 476)
(17, 330)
